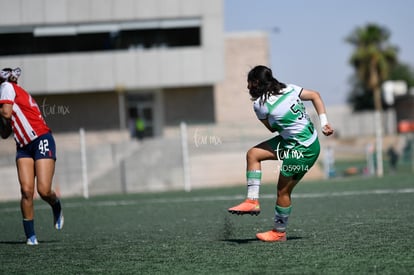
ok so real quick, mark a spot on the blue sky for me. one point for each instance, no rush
(310, 49)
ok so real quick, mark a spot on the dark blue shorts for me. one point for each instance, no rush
(43, 147)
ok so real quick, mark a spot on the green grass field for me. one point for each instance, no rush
(353, 225)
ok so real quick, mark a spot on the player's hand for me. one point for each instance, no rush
(327, 130)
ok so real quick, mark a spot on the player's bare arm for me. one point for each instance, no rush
(6, 110)
(315, 97)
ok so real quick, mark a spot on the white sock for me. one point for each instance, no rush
(253, 184)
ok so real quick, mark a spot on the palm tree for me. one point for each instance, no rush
(372, 59)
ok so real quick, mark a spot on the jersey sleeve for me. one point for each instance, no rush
(297, 89)
(260, 110)
(7, 93)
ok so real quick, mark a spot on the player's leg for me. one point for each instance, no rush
(254, 157)
(292, 171)
(45, 169)
(282, 210)
(26, 175)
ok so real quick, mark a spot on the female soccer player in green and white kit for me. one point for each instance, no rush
(280, 108)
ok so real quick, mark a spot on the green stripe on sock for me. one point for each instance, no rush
(254, 174)
(283, 210)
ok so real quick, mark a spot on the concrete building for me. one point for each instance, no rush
(243, 51)
(99, 64)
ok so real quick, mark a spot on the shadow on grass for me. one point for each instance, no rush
(24, 242)
(250, 240)
(294, 238)
(240, 241)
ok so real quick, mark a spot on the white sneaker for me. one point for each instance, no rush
(32, 240)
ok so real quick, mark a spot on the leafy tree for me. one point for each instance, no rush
(372, 59)
(402, 72)
(359, 98)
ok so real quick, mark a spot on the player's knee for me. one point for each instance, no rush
(26, 193)
(251, 155)
(45, 194)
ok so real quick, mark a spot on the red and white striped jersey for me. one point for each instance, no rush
(27, 120)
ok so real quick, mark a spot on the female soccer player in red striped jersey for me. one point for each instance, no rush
(36, 150)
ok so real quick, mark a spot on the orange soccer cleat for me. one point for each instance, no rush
(249, 206)
(272, 236)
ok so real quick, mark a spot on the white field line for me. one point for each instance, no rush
(218, 198)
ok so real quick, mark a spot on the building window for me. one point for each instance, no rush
(100, 37)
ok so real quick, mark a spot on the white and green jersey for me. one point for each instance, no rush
(286, 114)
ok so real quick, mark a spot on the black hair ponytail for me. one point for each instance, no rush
(263, 84)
